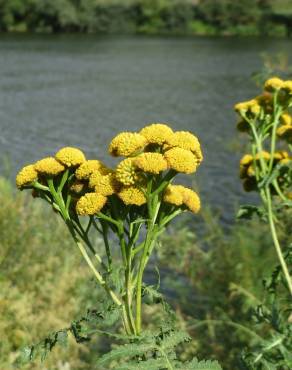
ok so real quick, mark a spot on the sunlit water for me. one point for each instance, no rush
(81, 90)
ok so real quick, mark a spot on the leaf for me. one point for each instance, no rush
(195, 364)
(247, 212)
(174, 339)
(82, 330)
(126, 350)
(150, 364)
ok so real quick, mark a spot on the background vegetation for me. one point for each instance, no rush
(209, 17)
(44, 286)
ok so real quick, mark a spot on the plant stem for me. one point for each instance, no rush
(276, 242)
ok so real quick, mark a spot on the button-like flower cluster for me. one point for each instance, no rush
(156, 151)
(134, 201)
(266, 119)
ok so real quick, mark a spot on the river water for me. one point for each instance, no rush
(81, 90)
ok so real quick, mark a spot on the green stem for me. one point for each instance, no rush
(274, 130)
(139, 284)
(106, 243)
(276, 241)
(96, 273)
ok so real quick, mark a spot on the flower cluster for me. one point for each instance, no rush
(265, 119)
(134, 201)
(150, 154)
(249, 165)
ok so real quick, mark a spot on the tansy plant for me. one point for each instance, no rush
(134, 202)
(267, 169)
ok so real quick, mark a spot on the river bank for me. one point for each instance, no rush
(159, 17)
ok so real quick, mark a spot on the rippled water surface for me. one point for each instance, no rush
(81, 90)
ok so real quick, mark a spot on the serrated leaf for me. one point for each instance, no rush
(195, 364)
(174, 339)
(126, 350)
(151, 364)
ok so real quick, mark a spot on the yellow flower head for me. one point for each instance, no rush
(184, 140)
(181, 160)
(252, 106)
(26, 176)
(106, 185)
(263, 154)
(132, 195)
(84, 171)
(90, 204)
(241, 107)
(156, 133)
(273, 84)
(191, 200)
(174, 195)
(151, 162)
(287, 86)
(282, 154)
(127, 144)
(244, 164)
(285, 132)
(285, 160)
(266, 101)
(286, 119)
(77, 187)
(127, 173)
(70, 157)
(179, 195)
(49, 167)
(250, 171)
(246, 159)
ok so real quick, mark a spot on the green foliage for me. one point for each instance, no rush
(82, 330)
(225, 269)
(42, 284)
(247, 17)
(155, 352)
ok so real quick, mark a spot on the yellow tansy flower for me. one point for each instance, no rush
(156, 133)
(77, 187)
(26, 176)
(241, 107)
(285, 160)
(173, 194)
(106, 185)
(253, 106)
(84, 171)
(132, 195)
(273, 84)
(181, 160)
(285, 132)
(127, 144)
(263, 154)
(151, 162)
(191, 200)
(184, 140)
(250, 171)
(70, 157)
(286, 119)
(90, 204)
(49, 166)
(282, 154)
(287, 86)
(127, 173)
(179, 195)
(246, 160)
